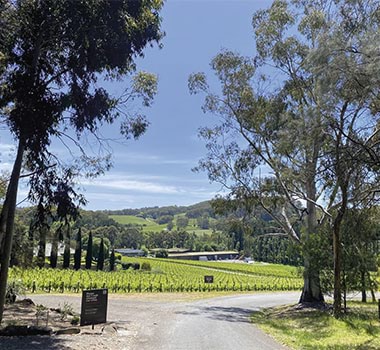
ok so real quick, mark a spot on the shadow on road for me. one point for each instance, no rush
(34, 343)
(230, 314)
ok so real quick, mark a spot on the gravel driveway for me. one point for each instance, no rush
(164, 321)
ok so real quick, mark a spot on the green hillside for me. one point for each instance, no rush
(147, 224)
(148, 218)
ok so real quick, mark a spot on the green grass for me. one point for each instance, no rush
(147, 224)
(311, 329)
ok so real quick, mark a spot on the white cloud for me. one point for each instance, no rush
(121, 191)
(127, 184)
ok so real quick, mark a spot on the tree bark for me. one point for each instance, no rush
(311, 292)
(337, 244)
(363, 286)
(7, 223)
(337, 249)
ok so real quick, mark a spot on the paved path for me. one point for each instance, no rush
(220, 323)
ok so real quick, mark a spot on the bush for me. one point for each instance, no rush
(146, 266)
(162, 254)
(14, 289)
(134, 266)
(126, 266)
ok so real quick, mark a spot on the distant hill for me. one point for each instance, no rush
(194, 218)
(192, 211)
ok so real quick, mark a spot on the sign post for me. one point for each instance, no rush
(94, 307)
(209, 279)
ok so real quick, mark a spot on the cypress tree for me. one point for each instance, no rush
(89, 252)
(112, 260)
(66, 253)
(78, 250)
(54, 248)
(100, 263)
(42, 246)
(30, 253)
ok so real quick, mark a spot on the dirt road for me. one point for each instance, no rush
(158, 322)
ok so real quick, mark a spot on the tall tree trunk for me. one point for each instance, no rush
(363, 286)
(337, 250)
(371, 287)
(311, 292)
(337, 243)
(7, 223)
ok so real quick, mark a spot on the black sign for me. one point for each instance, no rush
(209, 279)
(94, 306)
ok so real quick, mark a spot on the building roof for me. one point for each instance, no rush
(229, 252)
(129, 251)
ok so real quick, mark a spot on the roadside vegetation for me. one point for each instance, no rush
(306, 328)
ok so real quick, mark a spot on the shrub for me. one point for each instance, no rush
(14, 290)
(146, 266)
(162, 254)
(134, 266)
(126, 266)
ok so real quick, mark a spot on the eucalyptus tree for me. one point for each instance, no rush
(54, 57)
(296, 132)
(360, 250)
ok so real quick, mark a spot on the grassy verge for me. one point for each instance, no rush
(318, 330)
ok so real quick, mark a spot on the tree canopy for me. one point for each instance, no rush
(54, 57)
(299, 121)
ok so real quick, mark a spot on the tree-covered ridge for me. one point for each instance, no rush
(229, 231)
(194, 210)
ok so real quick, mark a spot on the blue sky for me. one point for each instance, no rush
(156, 169)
